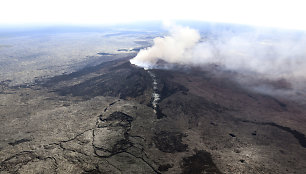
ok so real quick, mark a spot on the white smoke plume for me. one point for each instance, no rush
(269, 53)
(174, 48)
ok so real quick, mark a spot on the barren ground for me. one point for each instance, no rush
(100, 120)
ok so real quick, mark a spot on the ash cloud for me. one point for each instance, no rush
(267, 53)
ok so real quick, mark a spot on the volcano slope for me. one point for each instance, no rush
(101, 120)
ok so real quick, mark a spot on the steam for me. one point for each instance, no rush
(270, 53)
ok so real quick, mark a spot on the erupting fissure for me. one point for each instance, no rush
(155, 95)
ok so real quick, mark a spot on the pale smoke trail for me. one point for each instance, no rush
(155, 95)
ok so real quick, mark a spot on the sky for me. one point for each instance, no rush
(269, 13)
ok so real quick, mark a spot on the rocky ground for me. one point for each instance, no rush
(101, 120)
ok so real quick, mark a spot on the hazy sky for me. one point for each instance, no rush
(275, 13)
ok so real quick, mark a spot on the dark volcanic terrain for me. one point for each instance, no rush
(101, 120)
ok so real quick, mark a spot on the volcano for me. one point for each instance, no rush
(106, 119)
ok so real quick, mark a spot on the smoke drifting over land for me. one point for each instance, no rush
(175, 48)
(271, 54)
